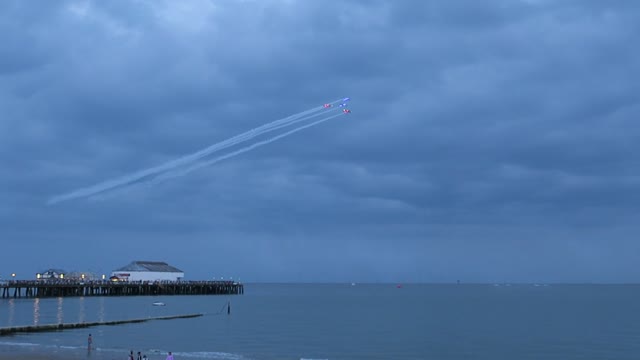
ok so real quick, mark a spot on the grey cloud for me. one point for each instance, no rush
(481, 132)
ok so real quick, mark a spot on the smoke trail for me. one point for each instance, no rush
(185, 160)
(113, 183)
(245, 136)
(177, 173)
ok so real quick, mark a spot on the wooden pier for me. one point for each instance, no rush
(41, 289)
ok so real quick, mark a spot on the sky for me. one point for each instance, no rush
(490, 141)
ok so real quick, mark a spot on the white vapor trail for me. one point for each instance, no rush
(177, 173)
(196, 166)
(194, 157)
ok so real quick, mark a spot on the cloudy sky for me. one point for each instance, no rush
(490, 141)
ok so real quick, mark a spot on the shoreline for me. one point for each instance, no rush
(29, 355)
(35, 353)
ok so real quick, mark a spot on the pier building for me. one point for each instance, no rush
(147, 271)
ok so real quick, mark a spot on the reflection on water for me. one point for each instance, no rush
(36, 311)
(81, 312)
(12, 310)
(101, 312)
(40, 311)
(60, 313)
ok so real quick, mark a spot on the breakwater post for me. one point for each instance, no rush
(56, 327)
(67, 288)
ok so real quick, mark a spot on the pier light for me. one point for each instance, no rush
(82, 276)
(13, 275)
(104, 276)
(38, 276)
(61, 276)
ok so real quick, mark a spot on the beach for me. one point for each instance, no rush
(18, 355)
(49, 356)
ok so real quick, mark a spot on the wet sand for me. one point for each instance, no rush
(66, 356)
(25, 356)
(5, 356)
(32, 357)
(59, 356)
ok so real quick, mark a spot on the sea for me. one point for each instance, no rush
(344, 321)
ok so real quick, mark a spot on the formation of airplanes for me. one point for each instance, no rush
(342, 105)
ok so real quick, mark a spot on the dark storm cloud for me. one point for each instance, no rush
(490, 141)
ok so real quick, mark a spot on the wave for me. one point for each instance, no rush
(5, 343)
(45, 346)
(202, 354)
(210, 355)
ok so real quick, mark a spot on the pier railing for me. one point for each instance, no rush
(64, 288)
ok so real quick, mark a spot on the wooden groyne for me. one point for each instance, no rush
(56, 327)
(39, 289)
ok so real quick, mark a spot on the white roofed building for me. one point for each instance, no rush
(51, 274)
(147, 271)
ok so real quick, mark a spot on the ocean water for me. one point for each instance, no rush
(341, 321)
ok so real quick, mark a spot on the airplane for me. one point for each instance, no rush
(346, 111)
(326, 106)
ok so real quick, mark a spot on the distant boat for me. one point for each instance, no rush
(158, 303)
(353, 284)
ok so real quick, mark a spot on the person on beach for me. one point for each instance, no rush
(170, 356)
(139, 356)
(89, 342)
(131, 356)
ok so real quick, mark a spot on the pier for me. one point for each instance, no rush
(64, 288)
(57, 327)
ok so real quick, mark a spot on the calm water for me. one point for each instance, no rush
(272, 321)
